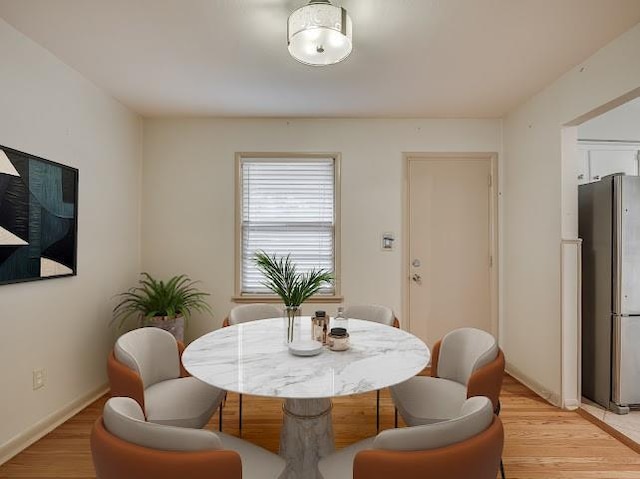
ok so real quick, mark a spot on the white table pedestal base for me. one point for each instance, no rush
(306, 436)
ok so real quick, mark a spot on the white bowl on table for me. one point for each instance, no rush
(305, 347)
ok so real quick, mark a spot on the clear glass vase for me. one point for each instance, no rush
(291, 317)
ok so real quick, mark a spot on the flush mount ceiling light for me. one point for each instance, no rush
(319, 33)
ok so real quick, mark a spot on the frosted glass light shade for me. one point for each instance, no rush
(320, 34)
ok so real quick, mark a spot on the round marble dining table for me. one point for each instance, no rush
(253, 358)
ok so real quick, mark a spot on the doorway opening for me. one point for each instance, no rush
(600, 268)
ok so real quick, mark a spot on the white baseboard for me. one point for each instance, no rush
(43, 427)
(544, 393)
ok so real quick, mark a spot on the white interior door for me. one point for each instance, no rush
(450, 235)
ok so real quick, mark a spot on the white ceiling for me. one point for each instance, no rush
(411, 58)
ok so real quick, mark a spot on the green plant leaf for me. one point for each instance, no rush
(154, 297)
(282, 277)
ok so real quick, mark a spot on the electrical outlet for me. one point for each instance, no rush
(38, 378)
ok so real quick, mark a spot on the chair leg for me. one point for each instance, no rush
(240, 416)
(377, 411)
(396, 418)
(497, 412)
(220, 417)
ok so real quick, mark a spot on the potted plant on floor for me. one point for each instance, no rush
(165, 305)
(293, 287)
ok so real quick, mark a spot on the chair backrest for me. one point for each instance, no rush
(464, 351)
(124, 418)
(476, 415)
(251, 312)
(477, 457)
(371, 312)
(151, 352)
(124, 446)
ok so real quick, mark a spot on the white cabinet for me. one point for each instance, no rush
(599, 159)
(607, 162)
(583, 167)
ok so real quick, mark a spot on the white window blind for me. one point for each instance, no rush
(287, 208)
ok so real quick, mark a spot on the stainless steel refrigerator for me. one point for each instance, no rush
(609, 225)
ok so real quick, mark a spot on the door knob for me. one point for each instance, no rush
(416, 277)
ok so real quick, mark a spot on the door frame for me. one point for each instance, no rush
(570, 394)
(407, 158)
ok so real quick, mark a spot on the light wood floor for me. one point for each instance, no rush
(542, 442)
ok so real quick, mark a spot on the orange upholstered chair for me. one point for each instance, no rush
(125, 446)
(485, 380)
(476, 458)
(252, 312)
(372, 312)
(145, 365)
(467, 362)
(466, 447)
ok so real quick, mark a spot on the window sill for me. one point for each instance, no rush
(256, 298)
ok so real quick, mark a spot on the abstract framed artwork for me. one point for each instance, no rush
(38, 218)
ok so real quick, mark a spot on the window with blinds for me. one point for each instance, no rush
(287, 207)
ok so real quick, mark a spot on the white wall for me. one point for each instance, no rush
(619, 124)
(188, 194)
(541, 207)
(49, 110)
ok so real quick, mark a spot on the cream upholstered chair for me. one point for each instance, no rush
(457, 364)
(467, 362)
(125, 446)
(252, 312)
(145, 365)
(372, 312)
(377, 314)
(243, 314)
(466, 446)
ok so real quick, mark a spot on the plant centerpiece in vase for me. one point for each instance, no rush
(294, 288)
(165, 305)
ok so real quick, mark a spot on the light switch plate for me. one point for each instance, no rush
(387, 241)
